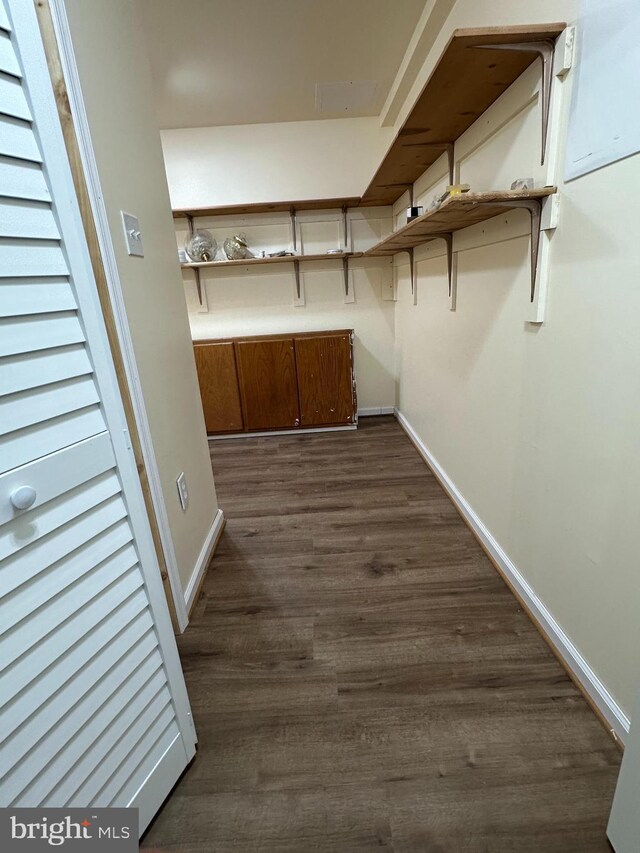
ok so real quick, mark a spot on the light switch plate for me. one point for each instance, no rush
(183, 491)
(132, 234)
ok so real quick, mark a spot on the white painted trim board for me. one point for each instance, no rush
(202, 563)
(376, 410)
(269, 432)
(616, 719)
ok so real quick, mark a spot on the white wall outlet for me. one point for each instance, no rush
(132, 234)
(183, 491)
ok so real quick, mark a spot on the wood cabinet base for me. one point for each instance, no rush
(276, 383)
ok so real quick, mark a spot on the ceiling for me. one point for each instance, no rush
(225, 62)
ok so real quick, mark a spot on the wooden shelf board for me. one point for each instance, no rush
(282, 260)
(464, 83)
(268, 207)
(455, 213)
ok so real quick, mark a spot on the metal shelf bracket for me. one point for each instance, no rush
(534, 206)
(451, 269)
(196, 270)
(449, 147)
(345, 229)
(545, 51)
(294, 228)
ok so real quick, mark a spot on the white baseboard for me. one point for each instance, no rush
(270, 432)
(573, 659)
(376, 410)
(202, 562)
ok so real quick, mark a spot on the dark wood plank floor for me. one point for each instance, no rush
(362, 679)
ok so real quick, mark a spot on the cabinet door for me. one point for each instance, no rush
(325, 381)
(218, 378)
(267, 371)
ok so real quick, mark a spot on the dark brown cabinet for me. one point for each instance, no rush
(325, 383)
(275, 382)
(267, 374)
(218, 378)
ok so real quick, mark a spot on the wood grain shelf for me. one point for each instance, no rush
(454, 214)
(268, 207)
(467, 79)
(476, 67)
(280, 260)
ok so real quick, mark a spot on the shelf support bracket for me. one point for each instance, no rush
(196, 270)
(294, 228)
(412, 272)
(449, 147)
(345, 228)
(296, 272)
(448, 239)
(345, 272)
(534, 206)
(544, 50)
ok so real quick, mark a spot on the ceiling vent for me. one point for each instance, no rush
(350, 96)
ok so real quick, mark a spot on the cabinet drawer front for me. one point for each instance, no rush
(267, 371)
(218, 378)
(325, 380)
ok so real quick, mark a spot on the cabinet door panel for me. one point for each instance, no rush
(267, 371)
(325, 382)
(217, 375)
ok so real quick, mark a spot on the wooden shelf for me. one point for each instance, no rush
(281, 260)
(268, 207)
(465, 82)
(455, 213)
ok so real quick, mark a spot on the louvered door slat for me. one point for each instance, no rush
(30, 258)
(32, 370)
(12, 99)
(130, 674)
(53, 731)
(22, 219)
(91, 691)
(41, 404)
(126, 755)
(81, 603)
(46, 296)
(17, 140)
(22, 179)
(8, 59)
(17, 448)
(95, 740)
(59, 547)
(32, 333)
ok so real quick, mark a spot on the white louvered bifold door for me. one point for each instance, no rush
(93, 705)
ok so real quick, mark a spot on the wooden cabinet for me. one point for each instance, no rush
(267, 374)
(218, 378)
(325, 383)
(275, 382)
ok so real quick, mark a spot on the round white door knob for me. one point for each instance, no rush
(23, 497)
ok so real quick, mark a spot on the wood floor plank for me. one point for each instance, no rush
(362, 679)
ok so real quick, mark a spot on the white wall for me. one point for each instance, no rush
(243, 164)
(116, 88)
(537, 426)
(260, 300)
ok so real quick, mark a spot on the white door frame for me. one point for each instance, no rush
(99, 211)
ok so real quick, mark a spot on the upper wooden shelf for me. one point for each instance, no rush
(455, 213)
(464, 83)
(268, 207)
(326, 256)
